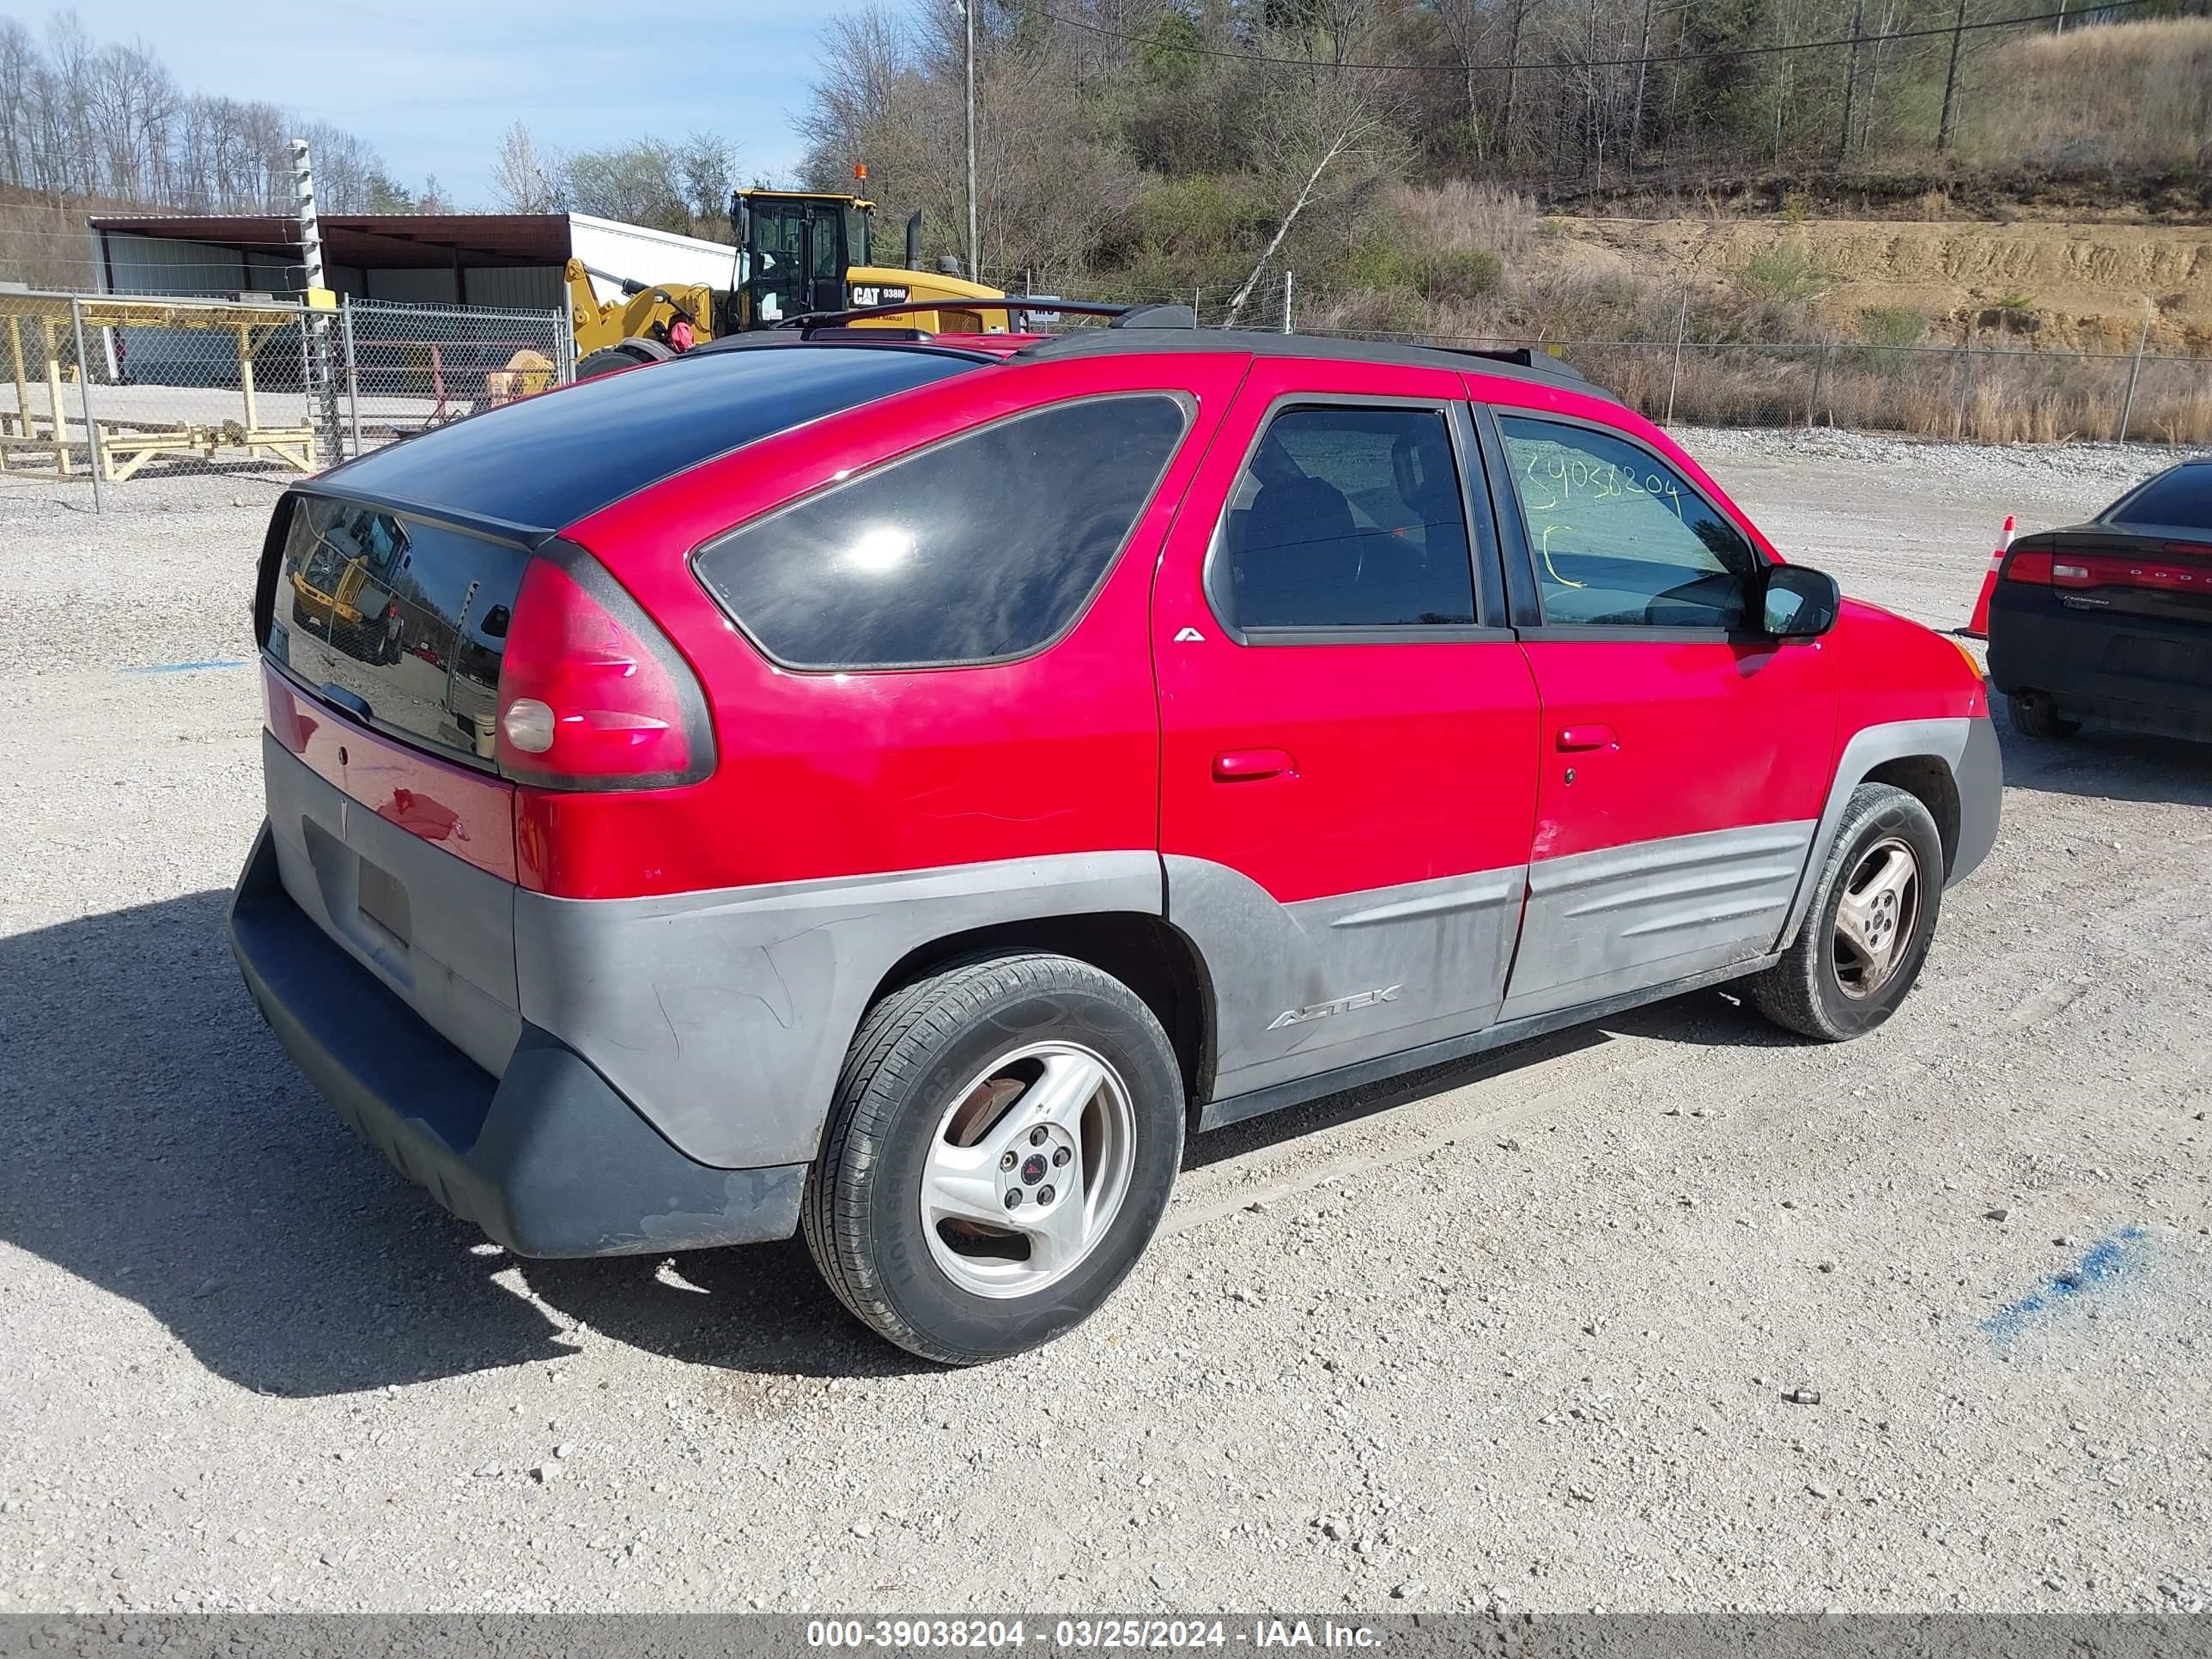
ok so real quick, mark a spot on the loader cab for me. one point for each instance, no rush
(798, 248)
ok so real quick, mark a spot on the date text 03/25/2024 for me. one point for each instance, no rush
(1088, 1634)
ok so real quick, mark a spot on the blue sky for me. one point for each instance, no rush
(433, 86)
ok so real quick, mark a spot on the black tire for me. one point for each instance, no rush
(2034, 715)
(1806, 992)
(623, 353)
(862, 1214)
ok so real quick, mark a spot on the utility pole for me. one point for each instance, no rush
(1642, 64)
(1851, 78)
(975, 267)
(1951, 80)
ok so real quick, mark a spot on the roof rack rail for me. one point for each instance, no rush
(808, 321)
(1520, 357)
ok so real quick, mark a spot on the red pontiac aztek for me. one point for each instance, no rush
(892, 788)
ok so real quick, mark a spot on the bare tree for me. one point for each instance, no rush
(706, 164)
(77, 119)
(524, 178)
(1333, 136)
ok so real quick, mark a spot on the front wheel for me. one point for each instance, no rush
(1003, 1143)
(1872, 918)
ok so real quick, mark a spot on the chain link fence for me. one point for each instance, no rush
(111, 389)
(405, 368)
(117, 390)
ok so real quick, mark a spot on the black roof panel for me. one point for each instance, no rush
(538, 465)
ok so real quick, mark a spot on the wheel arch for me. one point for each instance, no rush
(1930, 760)
(1929, 780)
(1142, 951)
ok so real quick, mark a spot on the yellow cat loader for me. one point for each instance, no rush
(798, 254)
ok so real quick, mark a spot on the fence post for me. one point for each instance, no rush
(352, 374)
(1966, 384)
(84, 397)
(1820, 373)
(2135, 371)
(1286, 300)
(564, 345)
(1682, 332)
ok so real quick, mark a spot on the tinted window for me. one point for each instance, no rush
(1619, 538)
(982, 546)
(2181, 498)
(407, 618)
(546, 462)
(1348, 518)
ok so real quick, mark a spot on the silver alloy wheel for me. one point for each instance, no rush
(1875, 917)
(1028, 1168)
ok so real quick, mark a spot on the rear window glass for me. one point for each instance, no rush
(404, 621)
(545, 462)
(984, 547)
(2181, 498)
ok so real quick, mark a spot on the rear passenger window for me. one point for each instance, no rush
(1619, 540)
(1348, 518)
(984, 547)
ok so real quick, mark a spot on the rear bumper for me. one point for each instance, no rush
(549, 1159)
(2132, 670)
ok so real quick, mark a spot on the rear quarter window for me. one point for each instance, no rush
(2180, 499)
(984, 547)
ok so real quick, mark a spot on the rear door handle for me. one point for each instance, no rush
(1573, 739)
(1249, 765)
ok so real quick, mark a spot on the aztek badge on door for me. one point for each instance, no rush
(1340, 1004)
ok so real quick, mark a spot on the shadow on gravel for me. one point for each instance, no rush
(2103, 763)
(156, 1142)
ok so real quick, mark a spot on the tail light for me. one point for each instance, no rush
(2171, 567)
(592, 695)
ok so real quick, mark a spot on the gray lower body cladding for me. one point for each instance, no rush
(722, 1017)
(547, 1158)
(586, 1077)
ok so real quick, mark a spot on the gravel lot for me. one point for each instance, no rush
(1523, 1339)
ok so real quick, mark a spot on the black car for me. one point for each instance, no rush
(2112, 619)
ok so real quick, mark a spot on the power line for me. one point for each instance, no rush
(1256, 59)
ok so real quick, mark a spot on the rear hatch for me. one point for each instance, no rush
(2145, 594)
(388, 594)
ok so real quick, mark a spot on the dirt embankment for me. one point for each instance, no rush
(2068, 286)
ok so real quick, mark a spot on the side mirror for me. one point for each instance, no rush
(1797, 603)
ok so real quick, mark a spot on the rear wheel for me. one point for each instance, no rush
(623, 353)
(1001, 1149)
(2035, 715)
(1872, 918)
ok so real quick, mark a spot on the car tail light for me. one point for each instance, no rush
(2028, 565)
(592, 695)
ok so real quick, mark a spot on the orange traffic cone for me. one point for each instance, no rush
(1978, 625)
